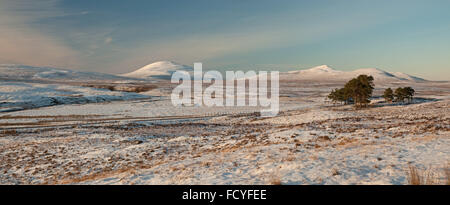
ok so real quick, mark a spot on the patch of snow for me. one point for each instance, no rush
(325, 73)
(23, 72)
(20, 95)
(160, 69)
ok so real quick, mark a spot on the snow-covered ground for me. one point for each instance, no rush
(60, 127)
(149, 141)
(20, 95)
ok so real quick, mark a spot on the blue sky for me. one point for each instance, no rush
(120, 36)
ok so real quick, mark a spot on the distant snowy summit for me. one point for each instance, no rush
(325, 73)
(32, 73)
(163, 70)
(160, 69)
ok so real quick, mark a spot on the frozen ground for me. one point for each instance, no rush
(149, 141)
(19, 95)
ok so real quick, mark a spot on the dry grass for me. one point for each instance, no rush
(136, 88)
(273, 178)
(335, 172)
(49, 116)
(414, 176)
(447, 174)
(289, 158)
(100, 86)
(427, 177)
(6, 133)
(275, 181)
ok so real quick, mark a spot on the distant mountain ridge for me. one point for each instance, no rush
(164, 70)
(324, 72)
(24, 72)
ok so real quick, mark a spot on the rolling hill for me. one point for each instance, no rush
(13, 72)
(158, 70)
(325, 73)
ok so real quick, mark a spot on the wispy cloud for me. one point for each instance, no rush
(108, 40)
(23, 43)
(265, 36)
(111, 39)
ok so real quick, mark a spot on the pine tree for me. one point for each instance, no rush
(360, 89)
(399, 94)
(409, 92)
(333, 96)
(357, 90)
(404, 93)
(388, 95)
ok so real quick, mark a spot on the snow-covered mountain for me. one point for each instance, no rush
(325, 73)
(29, 73)
(318, 72)
(164, 70)
(408, 77)
(160, 70)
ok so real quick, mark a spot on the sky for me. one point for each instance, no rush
(113, 36)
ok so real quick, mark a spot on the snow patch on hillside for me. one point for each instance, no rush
(23, 72)
(325, 72)
(160, 69)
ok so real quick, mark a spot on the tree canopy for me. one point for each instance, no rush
(358, 91)
(402, 94)
(388, 95)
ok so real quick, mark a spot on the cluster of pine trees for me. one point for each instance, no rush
(357, 91)
(399, 95)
